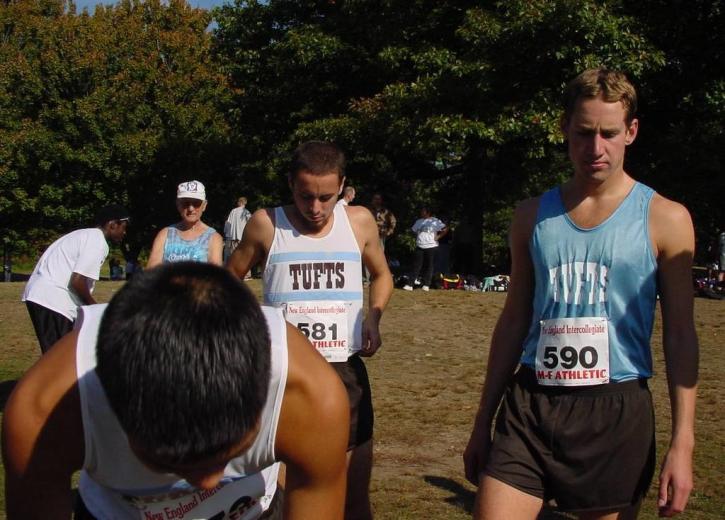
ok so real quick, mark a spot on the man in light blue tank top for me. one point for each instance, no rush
(312, 252)
(589, 259)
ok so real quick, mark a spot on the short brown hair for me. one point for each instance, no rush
(613, 86)
(318, 158)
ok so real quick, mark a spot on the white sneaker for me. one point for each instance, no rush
(407, 288)
(425, 288)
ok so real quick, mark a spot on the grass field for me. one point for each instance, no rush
(426, 383)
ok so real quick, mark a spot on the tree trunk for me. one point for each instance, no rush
(473, 197)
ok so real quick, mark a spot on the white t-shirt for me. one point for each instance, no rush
(236, 222)
(426, 230)
(82, 251)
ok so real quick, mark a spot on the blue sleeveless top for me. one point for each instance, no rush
(606, 271)
(176, 249)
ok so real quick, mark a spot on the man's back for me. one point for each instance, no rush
(82, 251)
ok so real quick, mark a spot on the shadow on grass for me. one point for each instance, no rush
(465, 498)
(460, 496)
(6, 387)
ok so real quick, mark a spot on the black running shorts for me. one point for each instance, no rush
(354, 376)
(49, 325)
(587, 448)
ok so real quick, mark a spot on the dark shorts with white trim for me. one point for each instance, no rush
(354, 376)
(586, 448)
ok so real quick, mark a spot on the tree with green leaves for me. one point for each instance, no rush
(453, 103)
(681, 148)
(118, 106)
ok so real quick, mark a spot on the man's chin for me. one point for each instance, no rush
(317, 220)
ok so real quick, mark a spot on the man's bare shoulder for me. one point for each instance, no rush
(527, 206)
(263, 215)
(670, 226)
(261, 223)
(52, 376)
(360, 217)
(525, 216)
(666, 211)
(359, 212)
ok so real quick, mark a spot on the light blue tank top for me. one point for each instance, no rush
(607, 271)
(176, 249)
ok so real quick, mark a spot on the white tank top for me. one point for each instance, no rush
(317, 282)
(114, 484)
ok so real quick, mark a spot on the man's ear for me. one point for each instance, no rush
(632, 130)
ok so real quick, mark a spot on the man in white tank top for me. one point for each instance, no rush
(313, 252)
(176, 400)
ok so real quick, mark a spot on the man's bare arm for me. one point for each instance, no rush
(79, 285)
(674, 240)
(312, 435)
(42, 437)
(381, 281)
(507, 340)
(254, 246)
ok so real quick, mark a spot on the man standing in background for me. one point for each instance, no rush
(348, 195)
(234, 226)
(428, 231)
(65, 275)
(384, 218)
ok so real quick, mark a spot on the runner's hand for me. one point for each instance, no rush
(476, 453)
(371, 341)
(675, 482)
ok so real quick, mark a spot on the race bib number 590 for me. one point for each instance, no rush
(573, 352)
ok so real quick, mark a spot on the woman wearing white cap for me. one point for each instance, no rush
(190, 239)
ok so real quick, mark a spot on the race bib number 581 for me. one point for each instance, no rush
(324, 324)
(573, 352)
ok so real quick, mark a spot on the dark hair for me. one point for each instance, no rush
(110, 213)
(613, 86)
(184, 357)
(318, 158)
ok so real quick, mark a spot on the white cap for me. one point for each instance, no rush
(191, 190)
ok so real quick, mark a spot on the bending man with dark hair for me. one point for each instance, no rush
(178, 398)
